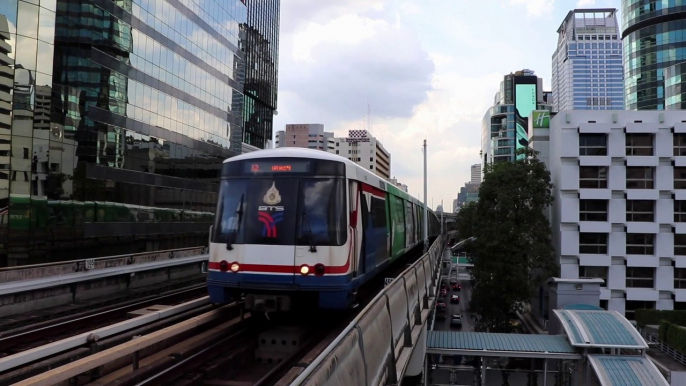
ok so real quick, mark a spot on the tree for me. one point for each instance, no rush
(512, 253)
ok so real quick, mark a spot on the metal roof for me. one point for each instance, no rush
(507, 345)
(614, 370)
(589, 328)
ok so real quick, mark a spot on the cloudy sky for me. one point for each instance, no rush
(429, 69)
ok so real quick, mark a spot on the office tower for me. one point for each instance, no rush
(260, 41)
(118, 115)
(504, 126)
(364, 149)
(619, 210)
(587, 64)
(654, 40)
(307, 135)
(476, 174)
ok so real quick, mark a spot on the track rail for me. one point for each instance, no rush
(71, 325)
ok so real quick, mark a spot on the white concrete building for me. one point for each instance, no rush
(360, 147)
(620, 204)
(476, 174)
(307, 135)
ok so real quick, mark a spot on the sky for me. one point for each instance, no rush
(428, 70)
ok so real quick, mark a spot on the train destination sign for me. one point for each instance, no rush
(277, 167)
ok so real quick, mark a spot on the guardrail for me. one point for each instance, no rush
(376, 348)
(665, 348)
(33, 277)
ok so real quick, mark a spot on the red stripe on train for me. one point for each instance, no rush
(373, 190)
(290, 269)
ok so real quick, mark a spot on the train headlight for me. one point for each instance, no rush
(235, 267)
(304, 270)
(319, 269)
(223, 265)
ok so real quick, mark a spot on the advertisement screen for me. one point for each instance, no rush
(525, 103)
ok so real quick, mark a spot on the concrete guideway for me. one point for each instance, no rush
(38, 353)
(386, 340)
(20, 286)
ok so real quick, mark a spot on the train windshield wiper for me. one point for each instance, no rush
(308, 232)
(237, 226)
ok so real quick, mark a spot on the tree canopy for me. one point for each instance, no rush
(512, 252)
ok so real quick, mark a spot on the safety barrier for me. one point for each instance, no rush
(38, 271)
(376, 348)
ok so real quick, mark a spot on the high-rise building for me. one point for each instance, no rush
(587, 63)
(504, 126)
(394, 181)
(308, 135)
(360, 147)
(476, 174)
(115, 118)
(260, 42)
(654, 40)
(619, 209)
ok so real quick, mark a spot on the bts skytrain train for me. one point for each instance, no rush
(300, 225)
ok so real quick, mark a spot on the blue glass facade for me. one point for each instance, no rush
(675, 87)
(587, 72)
(654, 36)
(115, 117)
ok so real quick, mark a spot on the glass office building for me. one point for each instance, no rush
(587, 64)
(504, 128)
(115, 117)
(261, 38)
(654, 36)
(675, 87)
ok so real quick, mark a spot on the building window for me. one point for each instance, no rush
(679, 278)
(640, 244)
(679, 177)
(593, 243)
(593, 272)
(371, 167)
(593, 177)
(640, 210)
(592, 210)
(592, 144)
(371, 159)
(640, 277)
(680, 244)
(639, 177)
(679, 211)
(336, 151)
(639, 144)
(679, 144)
(631, 306)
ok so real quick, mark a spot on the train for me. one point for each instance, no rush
(298, 225)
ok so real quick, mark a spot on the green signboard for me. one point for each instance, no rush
(541, 119)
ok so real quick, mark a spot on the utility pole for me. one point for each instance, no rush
(426, 207)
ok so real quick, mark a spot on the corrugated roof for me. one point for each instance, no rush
(591, 328)
(458, 340)
(614, 370)
(582, 307)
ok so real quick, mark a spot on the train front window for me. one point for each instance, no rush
(321, 217)
(280, 211)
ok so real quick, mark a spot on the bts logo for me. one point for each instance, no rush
(270, 221)
(270, 208)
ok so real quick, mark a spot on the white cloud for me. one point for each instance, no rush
(536, 7)
(584, 3)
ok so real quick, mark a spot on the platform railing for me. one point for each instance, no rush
(377, 347)
(652, 340)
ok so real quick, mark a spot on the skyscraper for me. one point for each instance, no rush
(476, 174)
(505, 124)
(587, 63)
(654, 39)
(260, 40)
(115, 118)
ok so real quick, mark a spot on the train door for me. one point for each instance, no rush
(355, 230)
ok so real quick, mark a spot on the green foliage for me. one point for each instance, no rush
(513, 254)
(673, 335)
(645, 317)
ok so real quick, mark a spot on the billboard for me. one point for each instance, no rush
(526, 90)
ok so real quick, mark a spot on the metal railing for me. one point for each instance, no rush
(662, 346)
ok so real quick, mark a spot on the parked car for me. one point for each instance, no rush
(456, 321)
(455, 299)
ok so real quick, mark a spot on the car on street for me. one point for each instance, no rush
(455, 299)
(456, 321)
(440, 305)
(444, 292)
(455, 285)
(441, 315)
